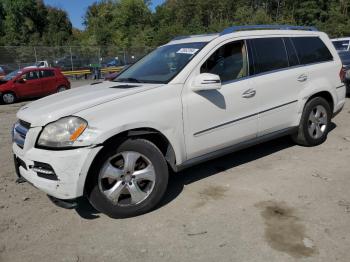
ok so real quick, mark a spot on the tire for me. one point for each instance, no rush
(114, 185)
(61, 89)
(8, 98)
(314, 124)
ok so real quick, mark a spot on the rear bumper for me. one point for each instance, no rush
(341, 96)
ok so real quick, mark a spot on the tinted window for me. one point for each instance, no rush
(229, 62)
(292, 54)
(341, 45)
(31, 75)
(270, 54)
(47, 73)
(311, 50)
(345, 57)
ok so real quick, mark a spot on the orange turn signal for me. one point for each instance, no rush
(77, 132)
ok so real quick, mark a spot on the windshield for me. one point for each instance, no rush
(162, 64)
(12, 75)
(341, 45)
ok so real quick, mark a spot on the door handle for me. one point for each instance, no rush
(249, 93)
(302, 78)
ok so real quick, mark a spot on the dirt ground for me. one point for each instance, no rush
(273, 202)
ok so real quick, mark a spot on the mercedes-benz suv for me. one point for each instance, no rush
(190, 100)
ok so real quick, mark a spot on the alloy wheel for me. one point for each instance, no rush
(8, 98)
(127, 178)
(317, 123)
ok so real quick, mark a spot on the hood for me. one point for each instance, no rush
(72, 101)
(2, 82)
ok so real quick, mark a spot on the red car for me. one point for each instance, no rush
(32, 82)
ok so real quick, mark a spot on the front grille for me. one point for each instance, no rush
(24, 123)
(19, 133)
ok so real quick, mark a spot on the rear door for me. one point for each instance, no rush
(48, 81)
(278, 79)
(31, 84)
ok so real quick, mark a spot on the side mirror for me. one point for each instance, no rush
(206, 81)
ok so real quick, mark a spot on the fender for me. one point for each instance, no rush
(314, 87)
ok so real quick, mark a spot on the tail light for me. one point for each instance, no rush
(342, 74)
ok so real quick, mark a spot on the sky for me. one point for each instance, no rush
(77, 8)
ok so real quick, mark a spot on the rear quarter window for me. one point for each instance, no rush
(311, 50)
(47, 73)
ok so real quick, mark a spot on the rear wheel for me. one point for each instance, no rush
(8, 98)
(129, 180)
(314, 124)
(61, 89)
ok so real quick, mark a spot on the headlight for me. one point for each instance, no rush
(62, 133)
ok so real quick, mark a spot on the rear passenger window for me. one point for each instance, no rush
(311, 50)
(47, 73)
(270, 54)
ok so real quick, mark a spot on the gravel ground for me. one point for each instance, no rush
(273, 202)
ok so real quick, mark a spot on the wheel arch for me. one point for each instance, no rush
(324, 94)
(150, 134)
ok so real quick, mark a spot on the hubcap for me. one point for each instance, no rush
(317, 123)
(127, 178)
(8, 98)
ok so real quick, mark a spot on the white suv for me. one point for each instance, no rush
(193, 99)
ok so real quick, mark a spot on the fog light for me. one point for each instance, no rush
(44, 170)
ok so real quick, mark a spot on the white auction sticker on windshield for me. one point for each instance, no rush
(189, 51)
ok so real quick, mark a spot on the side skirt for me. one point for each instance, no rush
(234, 148)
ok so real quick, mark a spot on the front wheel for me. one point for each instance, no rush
(129, 180)
(314, 123)
(8, 98)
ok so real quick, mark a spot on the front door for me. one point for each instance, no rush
(216, 119)
(30, 86)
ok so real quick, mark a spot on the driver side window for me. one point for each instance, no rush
(229, 62)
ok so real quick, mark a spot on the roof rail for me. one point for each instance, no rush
(191, 36)
(267, 27)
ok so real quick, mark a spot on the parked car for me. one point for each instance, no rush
(65, 63)
(193, 99)
(112, 76)
(4, 70)
(345, 58)
(114, 63)
(32, 82)
(341, 44)
(39, 64)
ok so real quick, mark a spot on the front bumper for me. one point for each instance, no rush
(70, 166)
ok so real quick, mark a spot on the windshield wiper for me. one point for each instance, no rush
(129, 79)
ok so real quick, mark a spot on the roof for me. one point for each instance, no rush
(235, 29)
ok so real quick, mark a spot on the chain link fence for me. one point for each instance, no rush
(68, 58)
